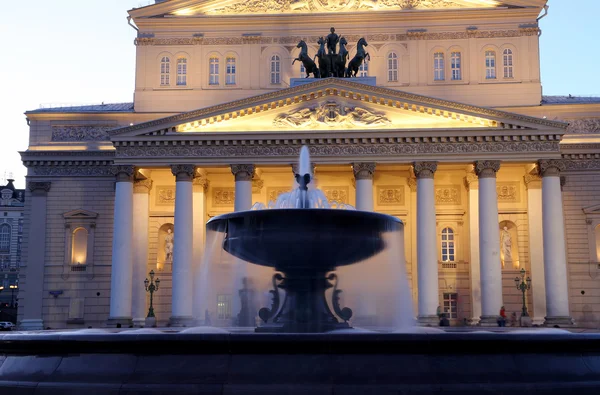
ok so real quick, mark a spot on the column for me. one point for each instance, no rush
(141, 193)
(363, 174)
(243, 186)
(200, 187)
(533, 183)
(412, 184)
(427, 251)
(183, 233)
(472, 184)
(489, 243)
(555, 255)
(122, 253)
(31, 292)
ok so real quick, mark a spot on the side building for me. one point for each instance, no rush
(12, 202)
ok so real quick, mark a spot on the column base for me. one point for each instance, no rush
(488, 320)
(474, 321)
(559, 322)
(119, 322)
(428, 320)
(539, 321)
(139, 322)
(181, 321)
(31, 325)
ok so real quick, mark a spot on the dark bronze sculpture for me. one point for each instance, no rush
(332, 40)
(357, 60)
(324, 59)
(341, 59)
(309, 65)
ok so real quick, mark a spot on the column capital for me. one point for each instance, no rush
(471, 181)
(532, 181)
(412, 184)
(424, 169)
(243, 172)
(142, 186)
(40, 188)
(486, 168)
(183, 172)
(551, 167)
(123, 173)
(363, 170)
(201, 182)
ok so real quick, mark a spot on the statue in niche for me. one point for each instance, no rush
(169, 246)
(506, 245)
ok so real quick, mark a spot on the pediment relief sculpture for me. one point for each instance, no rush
(332, 115)
(281, 6)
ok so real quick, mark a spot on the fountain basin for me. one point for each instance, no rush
(304, 239)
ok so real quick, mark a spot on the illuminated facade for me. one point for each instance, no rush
(448, 117)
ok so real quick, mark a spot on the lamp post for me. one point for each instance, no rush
(12, 294)
(523, 285)
(151, 287)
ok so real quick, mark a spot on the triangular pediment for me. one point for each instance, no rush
(80, 214)
(592, 210)
(186, 8)
(336, 105)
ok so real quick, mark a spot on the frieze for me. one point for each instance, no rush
(353, 149)
(583, 126)
(72, 171)
(81, 132)
(390, 195)
(581, 165)
(447, 195)
(165, 196)
(223, 197)
(336, 194)
(508, 192)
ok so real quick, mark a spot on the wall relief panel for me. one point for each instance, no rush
(274, 192)
(508, 192)
(388, 195)
(223, 197)
(165, 196)
(337, 194)
(448, 195)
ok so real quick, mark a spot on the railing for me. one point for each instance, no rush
(78, 268)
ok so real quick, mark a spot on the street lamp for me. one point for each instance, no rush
(523, 285)
(12, 294)
(151, 287)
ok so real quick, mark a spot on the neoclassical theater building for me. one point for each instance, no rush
(445, 127)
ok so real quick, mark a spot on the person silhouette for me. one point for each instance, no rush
(332, 40)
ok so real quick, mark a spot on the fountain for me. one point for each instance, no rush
(304, 344)
(305, 246)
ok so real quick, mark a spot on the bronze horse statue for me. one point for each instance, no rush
(339, 66)
(357, 60)
(309, 65)
(324, 59)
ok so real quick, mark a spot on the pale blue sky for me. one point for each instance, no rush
(75, 52)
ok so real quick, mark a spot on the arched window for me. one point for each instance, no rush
(490, 65)
(182, 72)
(392, 67)
(213, 71)
(79, 247)
(363, 70)
(230, 70)
(456, 66)
(508, 63)
(448, 251)
(165, 71)
(5, 238)
(275, 69)
(438, 67)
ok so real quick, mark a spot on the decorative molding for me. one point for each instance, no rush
(447, 195)
(223, 197)
(243, 172)
(337, 194)
(337, 87)
(142, 186)
(123, 173)
(364, 170)
(532, 181)
(72, 171)
(583, 126)
(412, 184)
(424, 169)
(390, 195)
(508, 192)
(331, 114)
(165, 195)
(551, 167)
(582, 165)
(274, 192)
(486, 168)
(34, 186)
(471, 180)
(257, 185)
(81, 132)
(183, 172)
(201, 181)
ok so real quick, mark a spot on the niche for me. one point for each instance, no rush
(164, 253)
(509, 248)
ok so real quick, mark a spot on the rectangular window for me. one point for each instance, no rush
(223, 307)
(451, 305)
(181, 72)
(165, 71)
(455, 58)
(213, 71)
(490, 65)
(275, 70)
(363, 70)
(508, 63)
(230, 71)
(302, 71)
(392, 67)
(438, 67)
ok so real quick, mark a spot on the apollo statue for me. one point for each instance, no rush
(169, 246)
